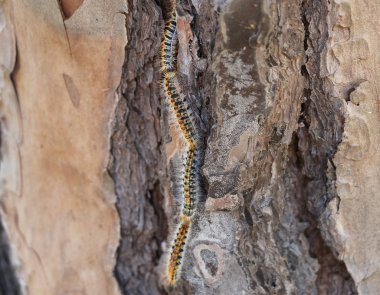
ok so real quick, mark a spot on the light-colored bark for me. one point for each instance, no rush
(352, 64)
(58, 201)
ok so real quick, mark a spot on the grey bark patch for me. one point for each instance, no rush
(239, 98)
(211, 261)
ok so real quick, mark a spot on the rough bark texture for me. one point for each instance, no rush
(135, 163)
(286, 94)
(351, 64)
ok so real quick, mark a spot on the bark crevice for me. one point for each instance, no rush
(135, 164)
(9, 283)
(314, 145)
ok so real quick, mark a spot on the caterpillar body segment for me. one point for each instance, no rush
(175, 259)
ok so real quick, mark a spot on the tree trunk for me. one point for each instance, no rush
(284, 94)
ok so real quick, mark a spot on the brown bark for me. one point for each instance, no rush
(136, 158)
(285, 96)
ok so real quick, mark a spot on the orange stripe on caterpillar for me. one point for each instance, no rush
(175, 259)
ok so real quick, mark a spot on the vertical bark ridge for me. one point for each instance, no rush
(135, 154)
(315, 143)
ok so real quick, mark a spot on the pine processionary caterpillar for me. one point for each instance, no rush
(169, 45)
(189, 183)
(185, 119)
(181, 108)
(177, 249)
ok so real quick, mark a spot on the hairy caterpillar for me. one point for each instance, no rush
(186, 121)
(181, 108)
(177, 249)
(169, 45)
(190, 182)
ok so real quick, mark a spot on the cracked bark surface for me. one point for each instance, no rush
(257, 122)
(135, 164)
(286, 95)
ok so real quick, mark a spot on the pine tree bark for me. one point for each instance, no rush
(91, 154)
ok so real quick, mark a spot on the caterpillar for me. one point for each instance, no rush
(186, 122)
(177, 249)
(185, 118)
(181, 108)
(169, 46)
(190, 182)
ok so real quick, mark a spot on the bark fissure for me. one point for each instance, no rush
(9, 283)
(314, 147)
(135, 163)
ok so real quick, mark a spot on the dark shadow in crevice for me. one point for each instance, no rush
(9, 284)
(332, 277)
(136, 159)
(313, 147)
